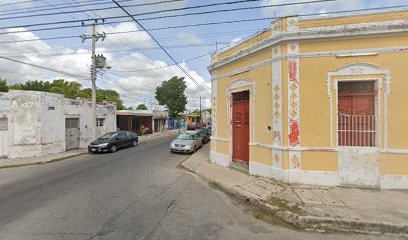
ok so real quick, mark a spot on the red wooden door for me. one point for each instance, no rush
(240, 127)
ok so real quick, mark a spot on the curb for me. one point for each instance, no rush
(308, 222)
(42, 162)
(67, 157)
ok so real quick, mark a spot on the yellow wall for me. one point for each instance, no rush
(314, 102)
(256, 58)
(315, 114)
(222, 147)
(353, 44)
(260, 155)
(320, 161)
(245, 44)
(393, 164)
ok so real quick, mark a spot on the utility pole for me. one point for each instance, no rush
(201, 117)
(100, 64)
(93, 79)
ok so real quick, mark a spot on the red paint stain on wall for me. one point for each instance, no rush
(294, 133)
(292, 70)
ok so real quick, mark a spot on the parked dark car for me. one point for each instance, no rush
(194, 126)
(112, 141)
(208, 128)
(204, 134)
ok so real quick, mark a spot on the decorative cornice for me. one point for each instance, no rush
(342, 32)
(311, 55)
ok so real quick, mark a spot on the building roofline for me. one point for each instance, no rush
(352, 14)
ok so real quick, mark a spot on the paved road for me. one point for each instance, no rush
(135, 193)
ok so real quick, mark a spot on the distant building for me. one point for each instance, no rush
(133, 120)
(160, 121)
(38, 123)
(316, 100)
(151, 120)
(196, 117)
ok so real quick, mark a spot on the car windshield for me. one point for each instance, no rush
(185, 136)
(109, 135)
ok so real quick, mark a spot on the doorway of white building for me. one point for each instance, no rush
(72, 133)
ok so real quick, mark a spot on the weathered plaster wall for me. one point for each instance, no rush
(37, 122)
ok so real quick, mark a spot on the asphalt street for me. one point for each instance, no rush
(135, 193)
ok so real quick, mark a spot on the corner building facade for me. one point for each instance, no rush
(316, 101)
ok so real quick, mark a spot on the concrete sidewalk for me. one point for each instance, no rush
(311, 207)
(21, 162)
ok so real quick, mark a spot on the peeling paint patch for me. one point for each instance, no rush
(294, 133)
(292, 70)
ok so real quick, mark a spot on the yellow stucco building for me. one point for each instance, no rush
(317, 101)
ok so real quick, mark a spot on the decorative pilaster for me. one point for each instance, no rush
(277, 107)
(295, 158)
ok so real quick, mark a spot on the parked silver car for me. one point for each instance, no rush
(187, 142)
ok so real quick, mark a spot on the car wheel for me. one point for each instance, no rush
(195, 149)
(113, 149)
(134, 143)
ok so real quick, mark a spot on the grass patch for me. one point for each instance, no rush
(277, 202)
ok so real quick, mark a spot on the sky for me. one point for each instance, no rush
(138, 66)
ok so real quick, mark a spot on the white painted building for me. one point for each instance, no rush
(38, 123)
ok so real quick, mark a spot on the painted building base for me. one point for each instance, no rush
(220, 159)
(294, 176)
(319, 177)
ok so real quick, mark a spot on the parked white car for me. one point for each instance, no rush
(187, 142)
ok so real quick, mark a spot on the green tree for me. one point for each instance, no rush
(171, 94)
(110, 96)
(67, 88)
(35, 85)
(141, 107)
(3, 86)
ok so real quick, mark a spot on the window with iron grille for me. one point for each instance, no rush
(356, 114)
(100, 122)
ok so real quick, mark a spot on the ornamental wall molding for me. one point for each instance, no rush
(332, 32)
(350, 53)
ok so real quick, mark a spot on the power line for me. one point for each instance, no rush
(161, 11)
(45, 68)
(131, 6)
(164, 50)
(64, 5)
(204, 24)
(15, 3)
(146, 41)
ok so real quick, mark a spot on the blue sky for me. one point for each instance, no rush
(131, 54)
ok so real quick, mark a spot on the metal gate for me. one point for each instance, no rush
(240, 127)
(72, 133)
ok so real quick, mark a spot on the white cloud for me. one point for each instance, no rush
(77, 61)
(190, 38)
(143, 83)
(139, 39)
